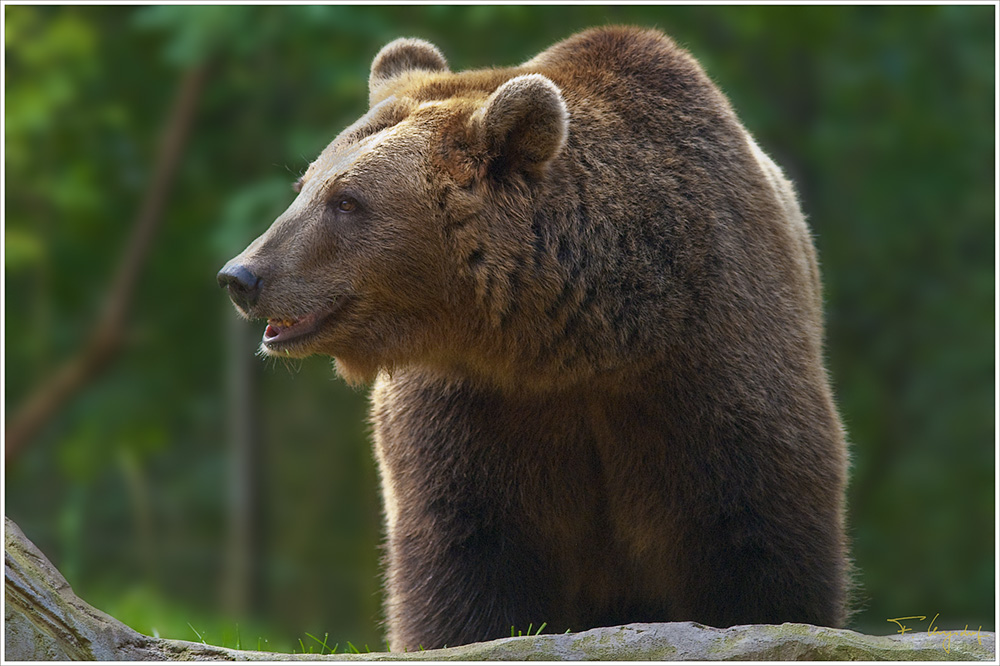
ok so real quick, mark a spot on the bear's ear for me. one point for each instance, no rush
(523, 124)
(401, 56)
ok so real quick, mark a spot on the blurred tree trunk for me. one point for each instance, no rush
(138, 487)
(241, 429)
(106, 337)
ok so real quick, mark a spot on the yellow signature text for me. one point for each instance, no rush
(933, 630)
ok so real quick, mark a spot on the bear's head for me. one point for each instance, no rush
(396, 248)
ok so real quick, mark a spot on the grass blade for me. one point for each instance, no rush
(197, 634)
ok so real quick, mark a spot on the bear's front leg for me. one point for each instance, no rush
(450, 584)
(480, 493)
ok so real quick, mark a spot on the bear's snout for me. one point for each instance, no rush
(242, 283)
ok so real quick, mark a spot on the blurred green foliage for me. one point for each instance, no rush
(884, 116)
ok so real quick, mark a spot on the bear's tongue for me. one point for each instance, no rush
(276, 327)
(281, 330)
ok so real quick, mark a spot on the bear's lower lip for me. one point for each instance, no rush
(284, 330)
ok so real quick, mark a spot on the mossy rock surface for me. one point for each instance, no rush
(45, 620)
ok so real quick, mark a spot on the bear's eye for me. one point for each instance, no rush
(346, 204)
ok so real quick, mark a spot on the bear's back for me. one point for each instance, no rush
(624, 56)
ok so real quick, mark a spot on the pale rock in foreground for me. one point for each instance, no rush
(45, 620)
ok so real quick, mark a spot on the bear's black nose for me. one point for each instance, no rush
(242, 283)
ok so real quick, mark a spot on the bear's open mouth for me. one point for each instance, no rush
(280, 330)
(286, 329)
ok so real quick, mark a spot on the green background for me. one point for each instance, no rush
(884, 117)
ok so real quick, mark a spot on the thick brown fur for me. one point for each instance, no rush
(594, 310)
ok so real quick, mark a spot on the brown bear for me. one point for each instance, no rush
(591, 308)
